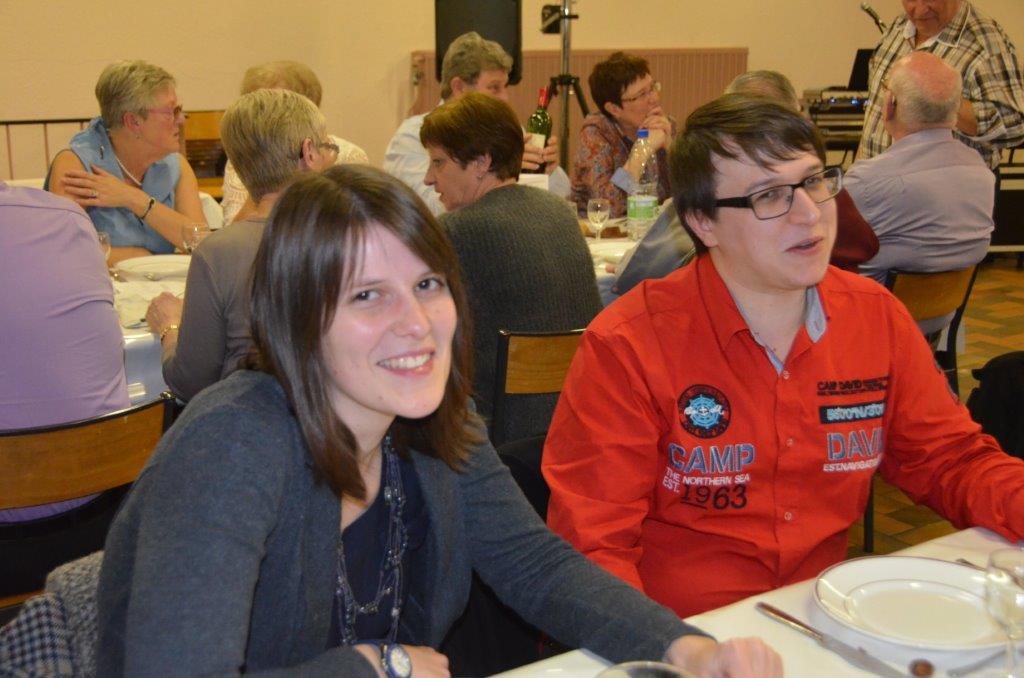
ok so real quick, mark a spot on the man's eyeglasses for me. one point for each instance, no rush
(644, 94)
(769, 203)
(174, 112)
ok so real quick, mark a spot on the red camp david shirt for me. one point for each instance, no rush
(681, 460)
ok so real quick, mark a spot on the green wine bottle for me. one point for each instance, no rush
(539, 126)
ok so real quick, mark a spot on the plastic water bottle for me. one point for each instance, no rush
(642, 203)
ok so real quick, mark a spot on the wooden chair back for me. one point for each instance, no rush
(926, 296)
(202, 146)
(932, 295)
(66, 461)
(529, 363)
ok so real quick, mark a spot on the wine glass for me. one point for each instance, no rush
(1004, 598)
(104, 239)
(598, 210)
(192, 235)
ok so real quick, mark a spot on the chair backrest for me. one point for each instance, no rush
(523, 457)
(66, 461)
(932, 295)
(201, 144)
(529, 363)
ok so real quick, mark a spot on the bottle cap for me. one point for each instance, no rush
(641, 133)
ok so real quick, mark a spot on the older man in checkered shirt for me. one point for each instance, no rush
(991, 115)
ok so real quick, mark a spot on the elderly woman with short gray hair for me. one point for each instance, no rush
(125, 170)
(270, 136)
(289, 75)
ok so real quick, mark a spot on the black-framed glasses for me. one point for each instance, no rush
(644, 94)
(769, 203)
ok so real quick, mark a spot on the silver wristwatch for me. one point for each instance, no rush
(395, 660)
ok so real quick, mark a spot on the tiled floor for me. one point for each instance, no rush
(995, 325)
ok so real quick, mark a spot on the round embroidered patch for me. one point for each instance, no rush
(704, 411)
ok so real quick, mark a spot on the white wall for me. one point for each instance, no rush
(51, 51)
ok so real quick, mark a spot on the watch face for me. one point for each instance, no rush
(399, 662)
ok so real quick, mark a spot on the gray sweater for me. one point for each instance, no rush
(223, 557)
(527, 268)
(214, 333)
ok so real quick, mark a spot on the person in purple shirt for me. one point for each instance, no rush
(61, 358)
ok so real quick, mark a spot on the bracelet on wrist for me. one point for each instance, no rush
(152, 201)
(164, 331)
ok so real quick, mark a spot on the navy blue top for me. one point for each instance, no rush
(364, 542)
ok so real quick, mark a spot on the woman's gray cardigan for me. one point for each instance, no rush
(223, 557)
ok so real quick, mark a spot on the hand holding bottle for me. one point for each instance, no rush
(536, 156)
(659, 128)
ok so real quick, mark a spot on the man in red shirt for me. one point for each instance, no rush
(719, 427)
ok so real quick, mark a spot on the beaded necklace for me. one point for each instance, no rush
(390, 581)
(126, 172)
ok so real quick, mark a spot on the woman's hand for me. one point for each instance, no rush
(163, 311)
(103, 189)
(734, 658)
(659, 129)
(426, 661)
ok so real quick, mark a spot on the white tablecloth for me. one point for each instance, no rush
(801, 655)
(607, 251)
(142, 364)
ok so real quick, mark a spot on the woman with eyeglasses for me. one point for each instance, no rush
(125, 170)
(628, 98)
(321, 512)
(271, 136)
(297, 77)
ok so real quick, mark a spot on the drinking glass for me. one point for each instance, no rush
(104, 239)
(598, 210)
(644, 669)
(1004, 598)
(192, 235)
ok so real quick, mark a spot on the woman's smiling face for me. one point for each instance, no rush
(388, 348)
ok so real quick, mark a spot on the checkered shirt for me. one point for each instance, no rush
(978, 48)
(55, 633)
(36, 642)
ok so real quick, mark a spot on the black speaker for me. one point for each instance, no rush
(498, 20)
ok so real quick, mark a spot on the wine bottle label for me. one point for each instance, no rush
(537, 140)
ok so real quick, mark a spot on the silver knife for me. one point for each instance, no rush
(854, 655)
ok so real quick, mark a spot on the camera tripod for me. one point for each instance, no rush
(558, 19)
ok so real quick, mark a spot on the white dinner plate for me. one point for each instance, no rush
(918, 602)
(155, 267)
